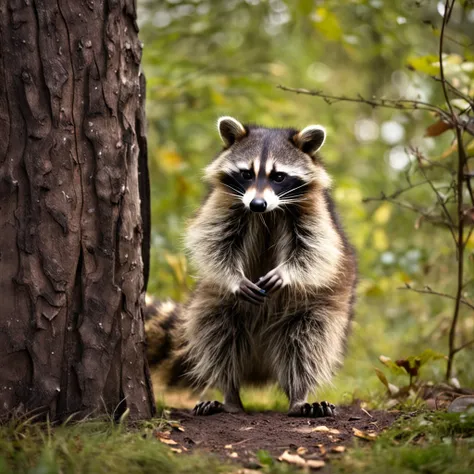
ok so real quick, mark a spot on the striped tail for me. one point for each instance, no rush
(165, 344)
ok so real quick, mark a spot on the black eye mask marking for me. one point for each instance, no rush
(235, 182)
(290, 187)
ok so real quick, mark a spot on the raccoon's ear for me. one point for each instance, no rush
(230, 130)
(310, 139)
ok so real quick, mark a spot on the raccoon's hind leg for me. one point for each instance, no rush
(218, 346)
(305, 348)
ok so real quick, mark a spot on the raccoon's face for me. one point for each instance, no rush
(267, 168)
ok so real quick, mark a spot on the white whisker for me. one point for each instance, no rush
(240, 193)
(292, 190)
(292, 201)
(232, 194)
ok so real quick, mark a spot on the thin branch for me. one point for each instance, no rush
(429, 291)
(441, 201)
(438, 164)
(435, 220)
(448, 8)
(447, 14)
(456, 91)
(401, 191)
(463, 346)
(450, 38)
(400, 104)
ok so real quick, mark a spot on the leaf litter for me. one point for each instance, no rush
(275, 437)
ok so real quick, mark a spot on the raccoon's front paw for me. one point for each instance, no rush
(208, 408)
(314, 410)
(271, 282)
(250, 292)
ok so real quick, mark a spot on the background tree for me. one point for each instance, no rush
(72, 145)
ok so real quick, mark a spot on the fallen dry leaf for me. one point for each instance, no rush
(176, 450)
(167, 441)
(228, 446)
(301, 450)
(233, 455)
(338, 449)
(315, 463)
(370, 436)
(325, 429)
(297, 460)
(164, 437)
(320, 429)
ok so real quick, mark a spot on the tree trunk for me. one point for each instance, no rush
(72, 143)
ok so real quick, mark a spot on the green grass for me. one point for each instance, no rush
(93, 447)
(428, 443)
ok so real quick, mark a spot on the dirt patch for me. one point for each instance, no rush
(239, 437)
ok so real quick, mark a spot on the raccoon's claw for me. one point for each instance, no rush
(315, 410)
(208, 408)
(250, 292)
(271, 282)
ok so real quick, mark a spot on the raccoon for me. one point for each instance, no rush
(276, 274)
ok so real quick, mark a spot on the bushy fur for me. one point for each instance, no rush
(297, 336)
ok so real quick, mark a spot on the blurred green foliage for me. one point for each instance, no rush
(206, 58)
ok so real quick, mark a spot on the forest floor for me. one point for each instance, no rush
(242, 437)
(417, 441)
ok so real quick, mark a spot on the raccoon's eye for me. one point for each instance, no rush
(246, 174)
(278, 177)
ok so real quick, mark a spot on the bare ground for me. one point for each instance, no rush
(241, 436)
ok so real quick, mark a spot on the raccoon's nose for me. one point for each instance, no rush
(258, 205)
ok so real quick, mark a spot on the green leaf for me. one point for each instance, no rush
(381, 376)
(429, 354)
(426, 64)
(394, 368)
(328, 24)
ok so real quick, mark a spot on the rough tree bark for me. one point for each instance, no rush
(72, 166)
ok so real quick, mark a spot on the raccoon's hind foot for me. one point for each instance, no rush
(313, 410)
(213, 407)
(208, 408)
